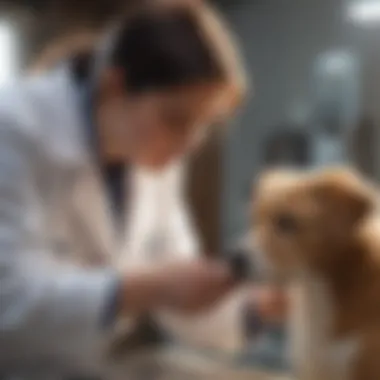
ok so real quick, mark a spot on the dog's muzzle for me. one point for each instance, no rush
(244, 267)
(246, 261)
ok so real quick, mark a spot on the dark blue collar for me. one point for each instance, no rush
(87, 100)
(113, 174)
(81, 70)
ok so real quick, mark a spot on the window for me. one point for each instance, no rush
(8, 52)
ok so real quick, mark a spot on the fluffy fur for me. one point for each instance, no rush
(319, 232)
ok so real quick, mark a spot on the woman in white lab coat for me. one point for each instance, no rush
(68, 141)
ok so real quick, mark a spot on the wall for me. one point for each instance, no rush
(282, 40)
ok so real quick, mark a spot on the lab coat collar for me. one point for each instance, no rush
(72, 146)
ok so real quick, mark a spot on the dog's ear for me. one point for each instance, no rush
(275, 180)
(345, 194)
(271, 181)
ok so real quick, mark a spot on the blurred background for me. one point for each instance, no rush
(314, 68)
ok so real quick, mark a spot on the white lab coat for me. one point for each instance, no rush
(54, 221)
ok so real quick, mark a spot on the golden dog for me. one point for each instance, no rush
(320, 233)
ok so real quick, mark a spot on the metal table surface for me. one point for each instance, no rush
(175, 363)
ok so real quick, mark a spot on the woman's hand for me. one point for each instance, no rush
(195, 286)
(184, 287)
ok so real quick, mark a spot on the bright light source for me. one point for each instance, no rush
(364, 12)
(8, 58)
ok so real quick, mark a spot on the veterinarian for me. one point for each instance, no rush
(146, 97)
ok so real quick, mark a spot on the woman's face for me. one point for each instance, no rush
(154, 128)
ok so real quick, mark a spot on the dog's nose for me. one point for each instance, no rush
(240, 263)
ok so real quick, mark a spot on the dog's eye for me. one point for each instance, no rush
(285, 224)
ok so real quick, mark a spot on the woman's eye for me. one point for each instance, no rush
(285, 224)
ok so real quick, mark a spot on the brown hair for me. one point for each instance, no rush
(172, 43)
(166, 43)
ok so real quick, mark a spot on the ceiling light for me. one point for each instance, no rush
(364, 12)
